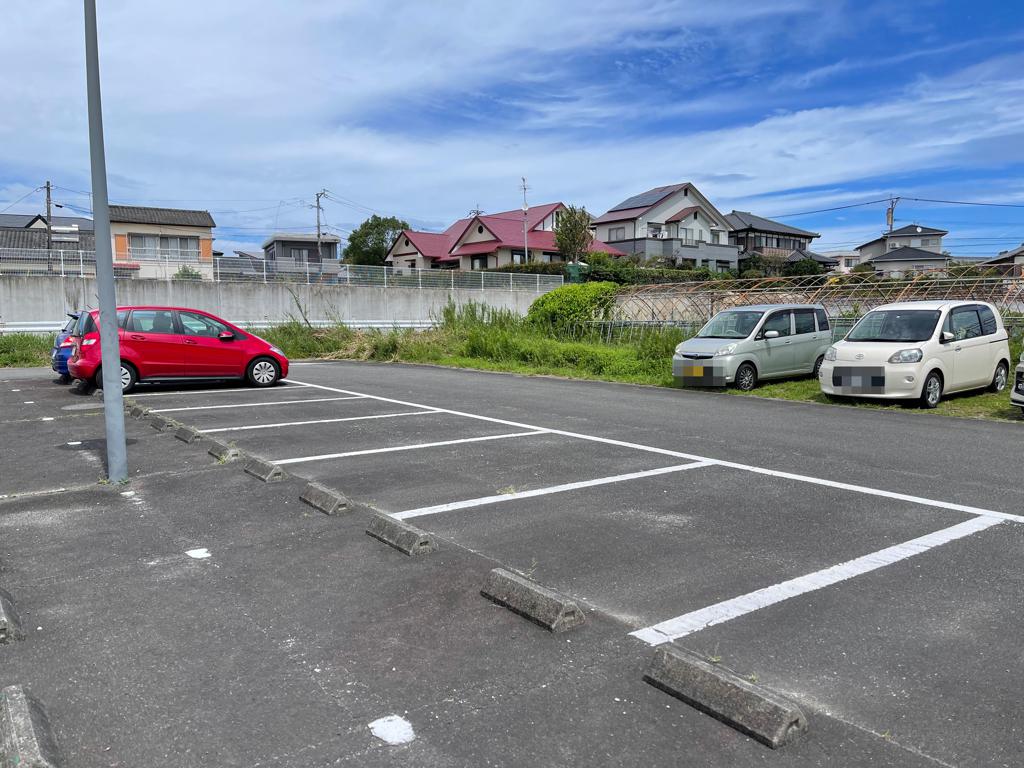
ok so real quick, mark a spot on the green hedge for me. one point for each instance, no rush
(575, 303)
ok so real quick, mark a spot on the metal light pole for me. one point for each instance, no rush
(113, 403)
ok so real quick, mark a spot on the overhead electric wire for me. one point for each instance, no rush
(964, 202)
(836, 208)
(20, 199)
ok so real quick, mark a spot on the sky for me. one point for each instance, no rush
(428, 110)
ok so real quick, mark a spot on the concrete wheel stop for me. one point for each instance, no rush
(26, 739)
(264, 470)
(400, 535)
(10, 623)
(187, 434)
(323, 498)
(757, 712)
(543, 606)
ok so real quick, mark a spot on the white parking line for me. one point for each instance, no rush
(688, 623)
(223, 390)
(413, 447)
(257, 405)
(320, 421)
(679, 454)
(483, 500)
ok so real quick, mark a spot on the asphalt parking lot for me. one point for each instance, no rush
(864, 564)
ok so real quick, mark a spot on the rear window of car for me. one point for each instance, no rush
(822, 320)
(151, 321)
(988, 320)
(804, 320)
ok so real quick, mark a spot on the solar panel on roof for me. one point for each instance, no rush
(650, 197)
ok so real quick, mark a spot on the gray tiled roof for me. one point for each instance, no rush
(177, 217)
(906, 253)
(36, 238)
(19, 220)
(800, 254)
(740, 220)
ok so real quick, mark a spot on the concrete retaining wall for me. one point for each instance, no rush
(45, 299)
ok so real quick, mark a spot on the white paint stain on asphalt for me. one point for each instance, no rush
(393, 730)
(199, 554)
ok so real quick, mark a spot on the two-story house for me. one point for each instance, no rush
(300, 248)
(756, 235)
(910, 236)
(675, 222)
(162, 241)
(486, 241)
(913, 248)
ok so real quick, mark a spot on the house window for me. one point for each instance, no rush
(850, 263)
(411, 263)
(722, 266)
(716, 238)
(300, 254)
(478, 262)
(518, 257)
(163, 247)
(616, 233)
(480, 229)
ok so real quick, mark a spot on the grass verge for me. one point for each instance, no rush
(25, 350)
(481, 338)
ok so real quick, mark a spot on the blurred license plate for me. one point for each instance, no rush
(695, 370)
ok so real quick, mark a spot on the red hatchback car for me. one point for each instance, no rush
(172, 344)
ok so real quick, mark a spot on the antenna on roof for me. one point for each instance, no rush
(476, 211)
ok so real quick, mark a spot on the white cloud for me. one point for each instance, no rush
(226, 102)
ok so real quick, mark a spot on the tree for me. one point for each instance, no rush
(864, 266)
(807, 266)
(370, 241)
(572, 233)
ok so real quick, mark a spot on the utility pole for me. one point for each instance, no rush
(49, 230)
(49, 220)
(319, 254)
(890, 213)
(526, 209)
(113, 402)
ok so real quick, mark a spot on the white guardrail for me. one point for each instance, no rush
(186, 267)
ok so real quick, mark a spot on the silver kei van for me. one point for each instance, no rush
(746, 344)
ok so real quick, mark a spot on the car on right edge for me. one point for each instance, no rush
(919, 350)
(1017, 395)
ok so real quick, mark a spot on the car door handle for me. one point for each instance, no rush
(787, 342)
(137, 337)
(957, 349)
(189, 341)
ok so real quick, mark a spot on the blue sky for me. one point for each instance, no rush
(426, 110)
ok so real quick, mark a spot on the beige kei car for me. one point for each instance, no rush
(919, 350)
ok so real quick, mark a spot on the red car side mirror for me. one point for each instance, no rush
(226, 336)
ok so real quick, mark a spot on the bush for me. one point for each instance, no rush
(23, 350)
(573, 304)
(185, 272)
(298, 340)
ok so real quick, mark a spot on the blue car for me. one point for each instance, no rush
(62, 348)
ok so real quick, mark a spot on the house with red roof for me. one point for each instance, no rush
(676, 223)
(486, 241)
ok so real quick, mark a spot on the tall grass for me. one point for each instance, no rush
(24, 350)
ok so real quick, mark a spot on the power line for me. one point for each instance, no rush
(965, 202)
(31, 192)
(837, 208)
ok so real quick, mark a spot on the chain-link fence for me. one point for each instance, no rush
(185, 266)
(843, 296)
